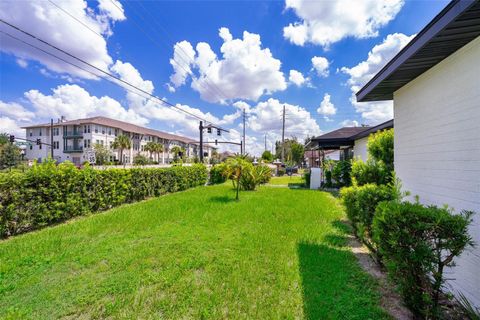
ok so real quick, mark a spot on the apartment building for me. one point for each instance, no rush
(74, 140)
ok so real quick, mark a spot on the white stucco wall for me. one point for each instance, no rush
(360, 149)
(437, 147)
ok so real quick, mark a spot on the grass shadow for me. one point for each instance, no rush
(298, 185)
(222, 199)
(334, 286)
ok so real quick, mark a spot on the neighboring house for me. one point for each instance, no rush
(73, 140)
(312, 157)
(434, 83)
(349, 142)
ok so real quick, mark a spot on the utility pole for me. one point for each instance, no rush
(244, 116)
(201, 141)
(283, 134)
(51, 138)
(265, 141)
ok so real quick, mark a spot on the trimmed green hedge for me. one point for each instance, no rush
(47, 193)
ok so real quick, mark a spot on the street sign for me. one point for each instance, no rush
(90, 156)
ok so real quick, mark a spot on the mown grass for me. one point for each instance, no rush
(286, 180)
(278, 253)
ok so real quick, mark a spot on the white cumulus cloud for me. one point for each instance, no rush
(45, 20)
(326, 22)
(327, 108)
(320, 65)
(349, 123)
(297, 78)
(374, 112)
(245, 70)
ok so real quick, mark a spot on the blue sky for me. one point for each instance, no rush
(136, 40)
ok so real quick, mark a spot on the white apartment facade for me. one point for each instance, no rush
(74, 141)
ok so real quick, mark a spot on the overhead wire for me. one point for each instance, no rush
(96, 68)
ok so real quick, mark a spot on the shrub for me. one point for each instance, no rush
(140, 160)
(370, 172)
(47, 193)
(328, 179)
(217, 174)
(341, 173)
(252, 176)
(360, 205)
(281, 171)
(380, 147)
(417, 243)
(306, 176)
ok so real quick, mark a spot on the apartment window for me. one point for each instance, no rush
(109, 131)
(96, 129)
(116, 132)
(111, 143)
(31, 133)
(56, 145)
(86, 143)
(84, 129)
(40, 132)
(31, 147)
(56, 131)
(101, 142)
(97, 141)
(103, 130)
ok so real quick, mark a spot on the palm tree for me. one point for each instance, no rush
(158, 148)
(121, 143)
(234, 169)
(150, 148)
(178, 152)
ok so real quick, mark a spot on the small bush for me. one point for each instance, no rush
(380, 147)
(281, 171)
(360, 204)
(253, 176)
(140, 160)
(328, 179)
(217, 174)
(417, 243)
(370, 172)
(306, 176)
(341, 173)
(47, 193)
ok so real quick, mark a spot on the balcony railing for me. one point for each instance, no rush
(73, 134)
(68, 149)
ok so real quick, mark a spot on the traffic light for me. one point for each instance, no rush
(39, 142)
(216, 141)
(12, 139)
(205, 154)
(219, 133)
(209, 130)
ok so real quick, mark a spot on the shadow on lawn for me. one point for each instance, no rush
(223, 199)
(333, 284)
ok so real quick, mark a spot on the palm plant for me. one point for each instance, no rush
(158, 148)
(234, 169)
(121, 143)
(178, 153)
(150, 148)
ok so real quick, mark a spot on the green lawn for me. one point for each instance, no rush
(278, 253)
(286, 180)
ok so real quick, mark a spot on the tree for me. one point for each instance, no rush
(121, 143)
(267, 156)
(102, 153)
(10, 155)
(157, 149)
(178, 153)
(4, 138)
(234, 169)
(297, 152)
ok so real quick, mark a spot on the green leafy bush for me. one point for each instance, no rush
(281, 171)
(217, 174)
(341, 173)
(252, 176)
(306, 176)
(417, 243)
(47, 193)
(360, 205)
(140, 160)
(380, 147)
(328, 179)
(370, 172)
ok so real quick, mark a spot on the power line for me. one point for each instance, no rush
(99, 69)
(142, 30)
(155, 21)
(75, 18)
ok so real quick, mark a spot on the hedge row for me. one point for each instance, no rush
(48, 193)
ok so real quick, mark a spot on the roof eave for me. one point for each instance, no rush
(446, 16)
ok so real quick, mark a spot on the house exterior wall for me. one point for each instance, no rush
(437, 147)
(360, 149)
